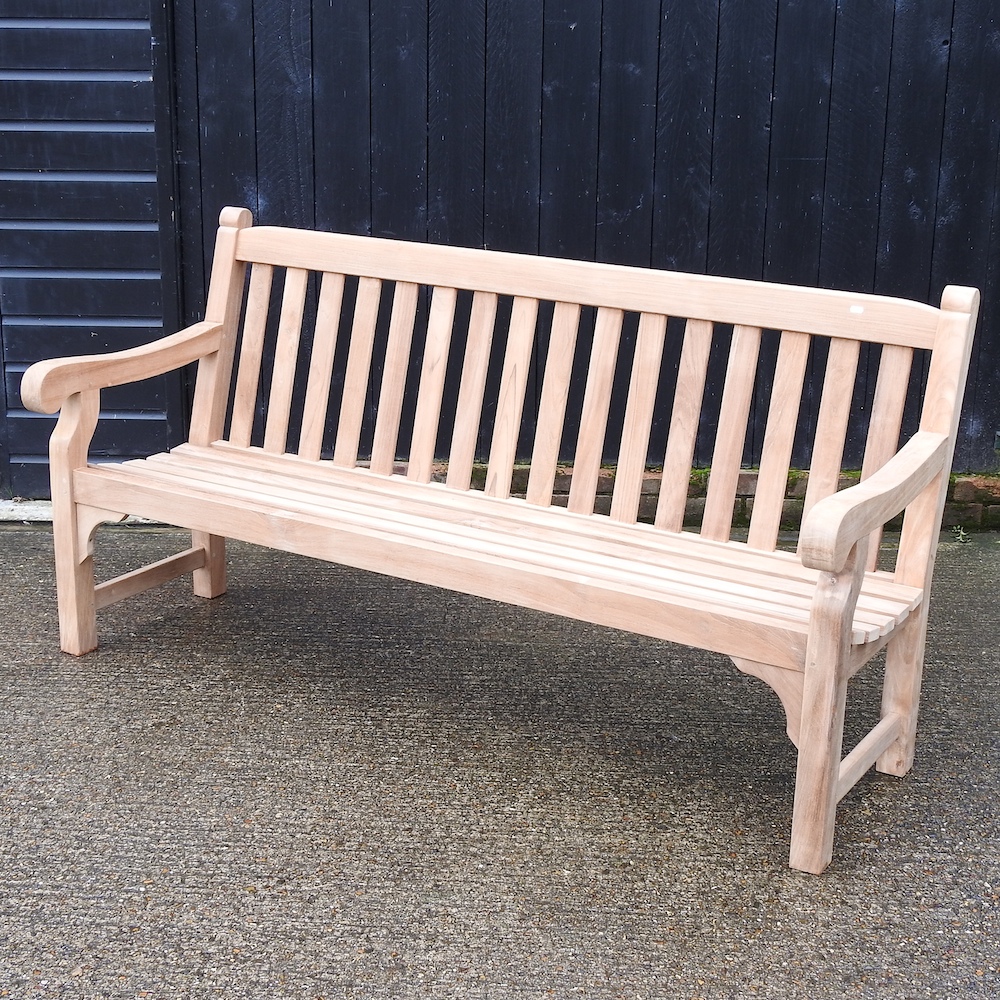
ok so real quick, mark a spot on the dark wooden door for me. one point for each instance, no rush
(79, 236)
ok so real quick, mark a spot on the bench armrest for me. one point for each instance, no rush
(835, 524)
(47, 384)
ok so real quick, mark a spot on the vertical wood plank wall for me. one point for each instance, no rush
(842, 144)
(79, 243)
(853, 145)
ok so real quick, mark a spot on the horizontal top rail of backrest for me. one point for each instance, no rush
(721, 300)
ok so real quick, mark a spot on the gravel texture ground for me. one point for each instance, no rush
(328, 784)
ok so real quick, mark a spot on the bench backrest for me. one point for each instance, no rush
(337, 315)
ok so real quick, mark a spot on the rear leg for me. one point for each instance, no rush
(210, 579)
(904, 667)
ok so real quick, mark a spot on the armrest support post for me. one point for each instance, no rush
(837, 523)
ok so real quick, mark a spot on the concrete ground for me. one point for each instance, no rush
(329, 784)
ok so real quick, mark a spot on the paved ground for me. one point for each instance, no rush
(331, 785)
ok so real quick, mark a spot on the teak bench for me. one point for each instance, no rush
(309, 338)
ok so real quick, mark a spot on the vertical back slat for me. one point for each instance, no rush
(887, 407)
(286, 353)
(638, 417)
(683, 434)
(779, 436)
(359, 361)
(251, 354)
(594, 416)
(832, 420)
(324, 347)
(510, 399)
(469, 408)
(727, 456)
(886, 419)
(397, 357)
(431, 388)
(552, 404)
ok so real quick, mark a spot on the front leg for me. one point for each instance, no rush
(824, 699)
(72, 529)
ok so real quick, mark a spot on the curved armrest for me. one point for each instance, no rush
(47, 384)
(837, 522)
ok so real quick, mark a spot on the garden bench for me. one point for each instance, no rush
(315, 345)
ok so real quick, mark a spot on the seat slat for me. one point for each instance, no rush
(552, 405)
(431, 388)
(397, 357)
(324, 347)
(468, 411)
(737, 395)
(359, 362)
(286, 353)
(596, 405)
(779, 436)
(634, 449)
(683, 434)
(251, 354)
(510, 400)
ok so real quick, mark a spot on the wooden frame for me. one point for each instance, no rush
(803, 622)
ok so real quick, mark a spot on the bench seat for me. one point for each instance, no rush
(736, 600)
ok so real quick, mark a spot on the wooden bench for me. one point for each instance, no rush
(295, 440)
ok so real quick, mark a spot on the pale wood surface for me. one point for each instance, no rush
(431, 390)
(472, 387)
(638, 417)
(359, 362)
(129, 584)
(225, 297)
(684, 416)
(552, 405)
(397, 358)
(832, 420)
(251, 354)
(47, 384)
(835, 524)
(824, 700)
(727, 457)
(886, 419)
(74, 555)
(804, 623)
(510, 401)
(754, 586)
(286, 354)
(325, 335)
(779, 436)
(722, 300)
(594, 418)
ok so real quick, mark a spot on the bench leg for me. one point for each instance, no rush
(210, 579)
(73, 525)
(824, 701)
(904, 663)
(75, 585)
(817, 776)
